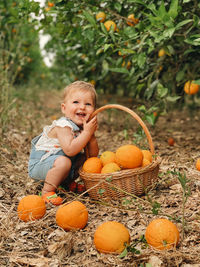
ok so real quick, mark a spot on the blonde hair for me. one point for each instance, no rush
(83, 86)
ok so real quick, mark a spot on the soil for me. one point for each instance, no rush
(175, 195)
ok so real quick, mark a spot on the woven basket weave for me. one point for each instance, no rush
(125, 182)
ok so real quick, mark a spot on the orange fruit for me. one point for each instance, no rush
(92, 82)
(72, 216)
(109, 23)
(51, 197)
(111, 237)
(129, 156)
(170, 141)
(107, 157)
(162, 234)
(31, 207)
(132, 20)
(110, 167)
(92, 165)
(145, 162)
(147, 155)
(155, 114)
(191, 88)
(101, 16)
(198, 164)
(128, 65)
(50, 4)
(161, 52)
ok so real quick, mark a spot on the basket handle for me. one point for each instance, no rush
(134, 115)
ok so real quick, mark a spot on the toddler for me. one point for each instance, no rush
(55, 153)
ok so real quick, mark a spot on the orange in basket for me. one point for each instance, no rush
(129, 156)
(110, 167)
(92, 165)
(135, 179)
(107, 157)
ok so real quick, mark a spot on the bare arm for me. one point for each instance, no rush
(72, 146)
(93, 148)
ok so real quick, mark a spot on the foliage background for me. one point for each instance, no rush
(124, 62)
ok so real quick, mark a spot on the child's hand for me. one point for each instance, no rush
(90, 126)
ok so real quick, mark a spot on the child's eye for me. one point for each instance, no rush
(75, 102)
(88, 104)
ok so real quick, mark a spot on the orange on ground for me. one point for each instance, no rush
(145, 162)
(147, 154)
(170, 141)
(133, 21)
(92, 165)
(191, 88)
(129, 156)
(72, 216)
(51, 197)
(31, 207)
(111, 237)
(162, 234)
(109, 23)
(107, 157)
(110, 167)
(161, 52)
(101, 16)
(198, 164)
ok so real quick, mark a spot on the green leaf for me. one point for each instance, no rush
(103, 28)
(182, 23)
(169, 32)
(117, 6)
(141, 60)
(197, 82)
(125, 51)
(173, 10)
(172, 98)
(150, 119)
(162, 11)
(180, 75)
(89, 18)
(107, 46)
(101, 191)
(130, 32)
(124, 253)
(120, 70)
(137, 1)
(193, 40)
(162, 91)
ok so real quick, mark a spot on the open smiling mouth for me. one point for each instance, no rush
(81, 115)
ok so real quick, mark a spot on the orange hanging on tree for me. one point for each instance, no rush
(191, 88)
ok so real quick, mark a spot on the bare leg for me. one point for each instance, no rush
(57, 174)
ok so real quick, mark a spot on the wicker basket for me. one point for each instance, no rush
(125, 182)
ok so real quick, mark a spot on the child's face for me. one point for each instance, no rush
(78, 106)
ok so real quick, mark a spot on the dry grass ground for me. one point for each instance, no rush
(42, 243)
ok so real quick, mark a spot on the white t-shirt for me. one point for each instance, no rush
(52, 145)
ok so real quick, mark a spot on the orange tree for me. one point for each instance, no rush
(19, 49)
(150, 56)
(20, 57)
